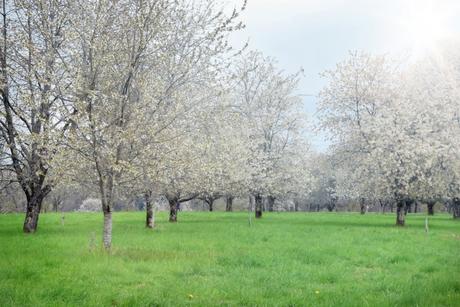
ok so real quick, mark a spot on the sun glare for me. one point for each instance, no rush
(424, 26)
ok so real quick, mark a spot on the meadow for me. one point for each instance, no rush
(216, 258)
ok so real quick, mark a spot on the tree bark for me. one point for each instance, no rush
(173, 210)
(210, 202)
(416, 207)
(229, 204)
(32, 214)
(106, 190)
(382, 205)
(406, 209)
(259, 205)
(150, 219)
(400, 217)
(408, 206)
(33, 207)
(430, 207)
(456, 208)
(107, 236)
(362, 206)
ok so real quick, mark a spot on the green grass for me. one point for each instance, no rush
(285, 259)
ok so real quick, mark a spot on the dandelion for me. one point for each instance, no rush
(317, 291)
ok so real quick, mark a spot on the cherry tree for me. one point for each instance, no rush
(36, 84)
(224, 171)
(266, 98)
(181, 89)
(356, 108)
(395, 128)
(433, 87)
(138, 71)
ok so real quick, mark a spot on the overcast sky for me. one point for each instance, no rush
(316, 34)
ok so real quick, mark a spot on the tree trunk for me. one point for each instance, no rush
(449, 205)
(33, 207)
(107, 236)
(296, 206)
(456, 208)
(400, 217)
(32, 213)
(259, 205)
(430, 206)
(362, 206)
(211, 204)
(382, 205)
(416, 207)
(229, 204)
(270, 203)
(173, 210)
(150, 219)
(106, 192)
(250, 206)
(408, 207)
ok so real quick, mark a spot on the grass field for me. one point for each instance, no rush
(208, 259)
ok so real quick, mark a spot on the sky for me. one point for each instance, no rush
(317, 34)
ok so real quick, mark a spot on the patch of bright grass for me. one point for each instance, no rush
(284, 259)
